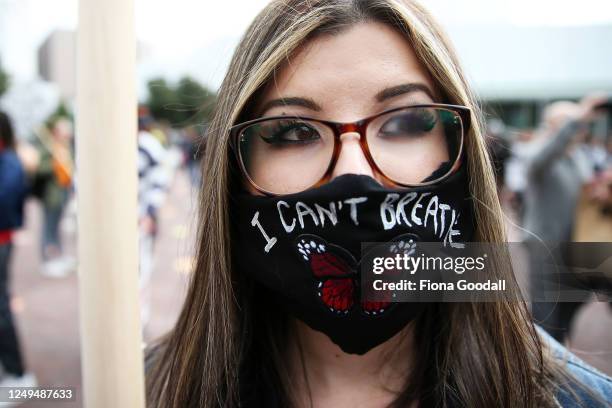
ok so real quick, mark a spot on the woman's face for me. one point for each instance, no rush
(364, 70)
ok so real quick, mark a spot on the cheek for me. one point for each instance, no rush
(287, 169)
(411, 162)
(287, 174)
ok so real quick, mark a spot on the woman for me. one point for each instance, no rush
(53, 183)
(272, 317)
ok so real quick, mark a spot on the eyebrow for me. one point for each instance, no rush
(381, 96)
(403, 89)
(292, 101)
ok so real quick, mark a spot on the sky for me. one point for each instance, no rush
(197, 37)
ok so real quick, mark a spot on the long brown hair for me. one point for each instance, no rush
(469, 354)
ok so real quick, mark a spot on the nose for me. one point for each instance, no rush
(352, 159)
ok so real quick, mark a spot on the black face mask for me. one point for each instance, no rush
(306, 248)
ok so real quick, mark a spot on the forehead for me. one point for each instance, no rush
(349, 68)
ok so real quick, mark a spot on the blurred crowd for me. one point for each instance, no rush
(556, 181)
(570, 151)
(42, 168)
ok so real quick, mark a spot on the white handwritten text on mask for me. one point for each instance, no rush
(411, 209)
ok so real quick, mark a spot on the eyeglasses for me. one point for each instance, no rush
(408, 146)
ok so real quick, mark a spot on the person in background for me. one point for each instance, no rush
(53, 181)
(515, 176)
(153, 178)
(556, 173)
(499, 148)
(12, 195)
(193, 147)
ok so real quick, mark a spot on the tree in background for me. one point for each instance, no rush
(161, 97)
(184, 104)
(4, 80)
(61, 111)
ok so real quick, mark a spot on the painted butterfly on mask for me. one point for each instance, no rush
(337, 274)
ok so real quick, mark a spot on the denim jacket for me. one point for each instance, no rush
(599, 383)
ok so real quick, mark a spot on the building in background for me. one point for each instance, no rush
(517, 70)
(57, 62)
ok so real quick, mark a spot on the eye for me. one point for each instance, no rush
(409, 123)
(289, 132)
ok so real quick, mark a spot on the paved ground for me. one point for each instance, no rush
(47, 312)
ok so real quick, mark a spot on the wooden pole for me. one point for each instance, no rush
(112, 358)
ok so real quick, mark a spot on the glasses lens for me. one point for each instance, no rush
(285, 156)
(415, 145)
